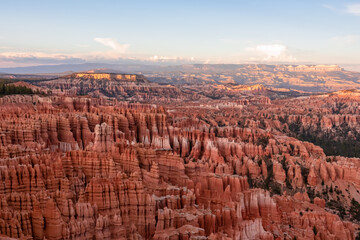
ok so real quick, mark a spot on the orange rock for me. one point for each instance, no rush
(90, 168)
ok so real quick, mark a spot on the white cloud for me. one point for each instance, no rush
(11, 59)
(117, 52)
(353, 9)
(157, 58)
(348, 39)
(29, 55)
(117, 49)
(270, 53)
(330, 7)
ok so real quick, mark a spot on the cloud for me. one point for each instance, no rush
(330, 7)
(270, 53)
(20, 59)
(118, 49)
(348, 39)
(31, 55)
(353, 9)
(166, 59)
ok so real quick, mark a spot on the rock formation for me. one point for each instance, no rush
(97, 168)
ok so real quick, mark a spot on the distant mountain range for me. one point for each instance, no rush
(136, 67)
(309, 78)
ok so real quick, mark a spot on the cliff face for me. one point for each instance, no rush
(310, 78)
(109, 76)
(131, 87)
(86, 168)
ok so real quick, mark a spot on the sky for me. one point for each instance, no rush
(34, 32)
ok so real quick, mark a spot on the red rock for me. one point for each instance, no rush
(86, 168)
(319, 202)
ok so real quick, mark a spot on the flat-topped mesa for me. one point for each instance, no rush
(110, 77)
(314, 68)
(351, 93)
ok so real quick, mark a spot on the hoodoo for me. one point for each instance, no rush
(179, 120)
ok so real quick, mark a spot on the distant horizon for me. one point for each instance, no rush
(82, 67)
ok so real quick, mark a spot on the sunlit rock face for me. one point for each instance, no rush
(309, 78)
(212, 168)
(130, 87)
(109, 76)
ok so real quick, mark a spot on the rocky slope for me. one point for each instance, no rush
(136, 88)
(131, 87)
(311, 78)
(95, 168)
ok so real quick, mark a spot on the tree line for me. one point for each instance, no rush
(6, 88)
